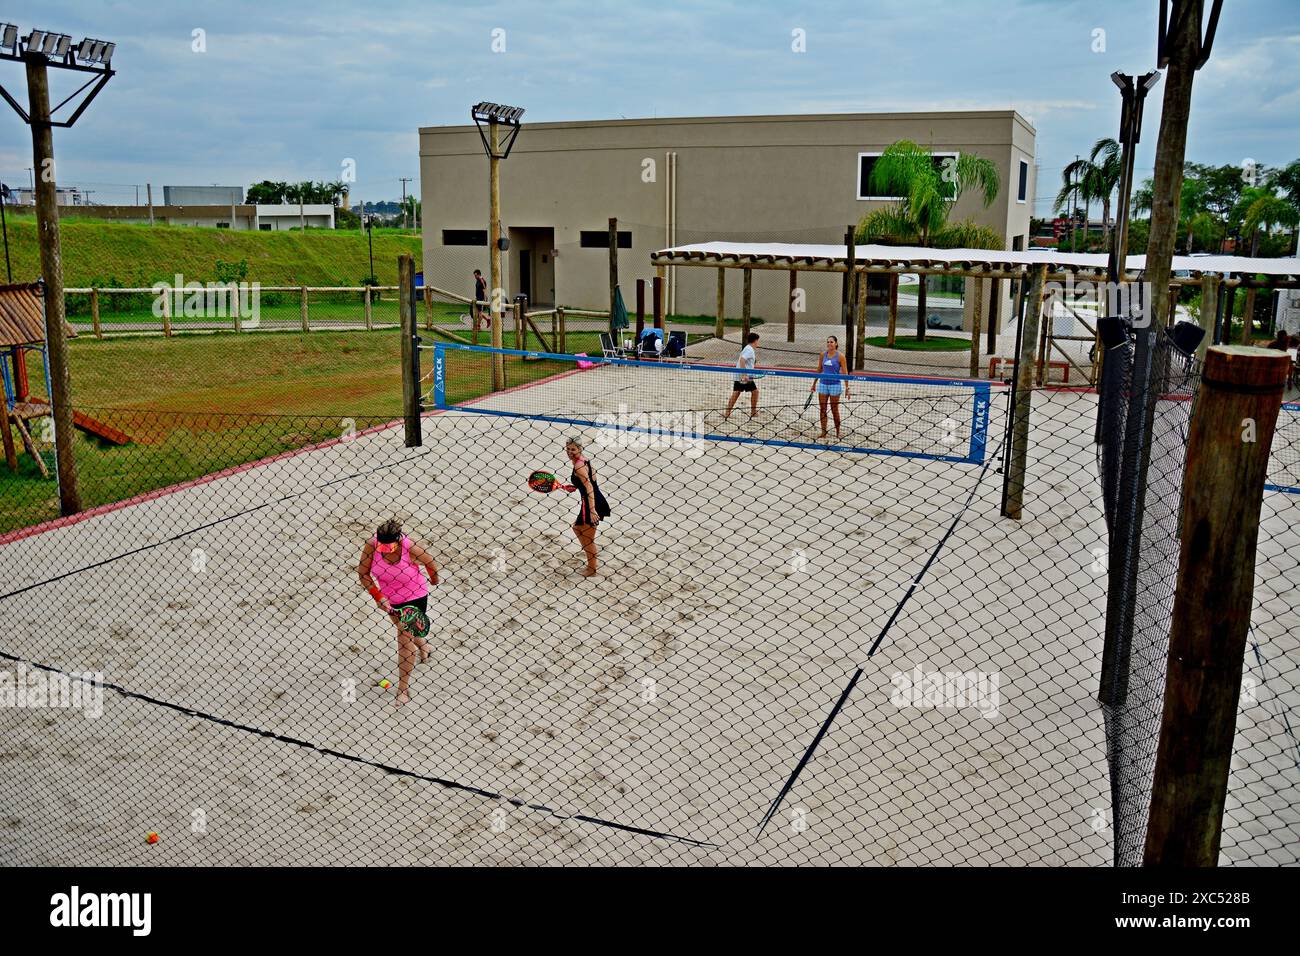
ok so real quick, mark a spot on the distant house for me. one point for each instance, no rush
(238, 216)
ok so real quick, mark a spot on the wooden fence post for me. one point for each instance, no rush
(11, 452)
(370, 322)
(519, 325)
(640, 310)
(1228, 447)
(1248, 318)
(975, 322)
(306, 324)
(94, 314)
(167, 312)
(1023, 405)
(859, 356)
(234, 307)
(995, 317)
(893, 309)
(563, 343)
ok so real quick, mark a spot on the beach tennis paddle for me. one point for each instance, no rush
(543, 482)
(808, 401)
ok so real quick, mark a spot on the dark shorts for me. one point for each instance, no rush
(744, 387)
(422, 603)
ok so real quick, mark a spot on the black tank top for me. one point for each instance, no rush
(602, 506)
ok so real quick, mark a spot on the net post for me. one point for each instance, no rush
(439, 375)
(1227, 462)
(979, 425)
(410, 350)
(1013, 495)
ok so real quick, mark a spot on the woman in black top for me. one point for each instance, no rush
(594, 507)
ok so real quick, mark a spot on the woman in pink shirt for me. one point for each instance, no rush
(390, 570)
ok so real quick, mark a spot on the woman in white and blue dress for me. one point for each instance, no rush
(830, 389)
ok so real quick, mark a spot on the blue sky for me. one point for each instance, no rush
(289, 89)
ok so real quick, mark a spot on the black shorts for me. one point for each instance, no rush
(744, 387)
(422, 603)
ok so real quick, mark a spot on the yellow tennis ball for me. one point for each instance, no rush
(385, 684)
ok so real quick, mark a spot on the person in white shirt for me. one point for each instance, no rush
(744, 382)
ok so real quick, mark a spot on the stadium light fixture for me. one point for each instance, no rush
(497, 114)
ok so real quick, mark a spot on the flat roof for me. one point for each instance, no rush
(758, 118)
(834, 258)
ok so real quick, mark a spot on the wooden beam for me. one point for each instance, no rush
(11, 453)
(1014, 493)
(94, 314)
(410, 381)
(613, 266)
(1228, 447)
(859, 354)
(719, 326)
(1248, 318)
(657, 302)
(976, 317)
(640, 308)
(995, 315)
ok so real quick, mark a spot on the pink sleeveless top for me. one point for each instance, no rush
(400, 582)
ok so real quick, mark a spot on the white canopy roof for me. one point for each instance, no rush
(834, 257)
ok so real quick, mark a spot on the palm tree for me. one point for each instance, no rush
(1107, 168)
(1267, 212)
(927, 194)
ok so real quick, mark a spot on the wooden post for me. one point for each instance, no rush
(1015, 477)
(976, 318)
(1229, 305)
(519, 325)
(302, 293)
(1223, 487)
(428, 309)
(555, 332)
(995, 316)
(657, 303)
(859, 355)
(640, 309)
(1044, 333)
(613, 267)
(495, 290)
(720, 325)
(1248, 318)
(410, 357)
(847, 296)
(94, 314)
(11, 453)
(893, 309)
(661, 277)
(746, 302)
(370, 321)
(789, 306)
(234, 307)
(1209, 303)
(167, 312)
(563, 344)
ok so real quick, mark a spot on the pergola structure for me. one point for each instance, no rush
(1218, 276)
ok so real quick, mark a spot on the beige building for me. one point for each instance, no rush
(680, 181)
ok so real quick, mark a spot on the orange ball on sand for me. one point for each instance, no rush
(152, 838)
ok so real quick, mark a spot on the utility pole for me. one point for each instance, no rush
(405, 180)
(37, 52)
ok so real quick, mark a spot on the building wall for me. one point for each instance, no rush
(203, 195)
(782, 178)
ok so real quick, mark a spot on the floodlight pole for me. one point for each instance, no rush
(494, 254)
(47, 228)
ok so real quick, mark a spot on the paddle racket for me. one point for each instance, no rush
(413, 621)
(543, 482)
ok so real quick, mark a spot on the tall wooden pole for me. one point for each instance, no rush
(720, 325)
(860, 312)
(975, 328)
(746, 301)
(47, 226)
(893, 309)
(640, 308)
(846, 295)
(789, 305)
(1223, 489)
(995, 315)
(613, 268)
(1023, 405)
(657, 304)
(410, 356)
(495, 292)
(1248, 318)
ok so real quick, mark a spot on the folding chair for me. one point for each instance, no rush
(676, 347)
(607, 346)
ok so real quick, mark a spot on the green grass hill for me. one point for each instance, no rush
(125, 255)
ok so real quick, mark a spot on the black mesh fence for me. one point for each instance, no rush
(790, 654)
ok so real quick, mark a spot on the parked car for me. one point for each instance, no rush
(939, 322)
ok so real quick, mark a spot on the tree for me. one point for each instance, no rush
(267, 193)
(927, 191)
(1266, 211)
(1107, 169)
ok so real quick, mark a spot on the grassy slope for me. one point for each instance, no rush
(132, 255)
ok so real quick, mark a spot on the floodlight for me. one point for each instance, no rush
(496, 113)
(61, 50)
(8, 36)
(106, 55)
(35, 39)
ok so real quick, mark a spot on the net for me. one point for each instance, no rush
(945, 419)
(1284, 467)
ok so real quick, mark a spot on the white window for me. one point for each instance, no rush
(1022, 190)
(867, 162)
